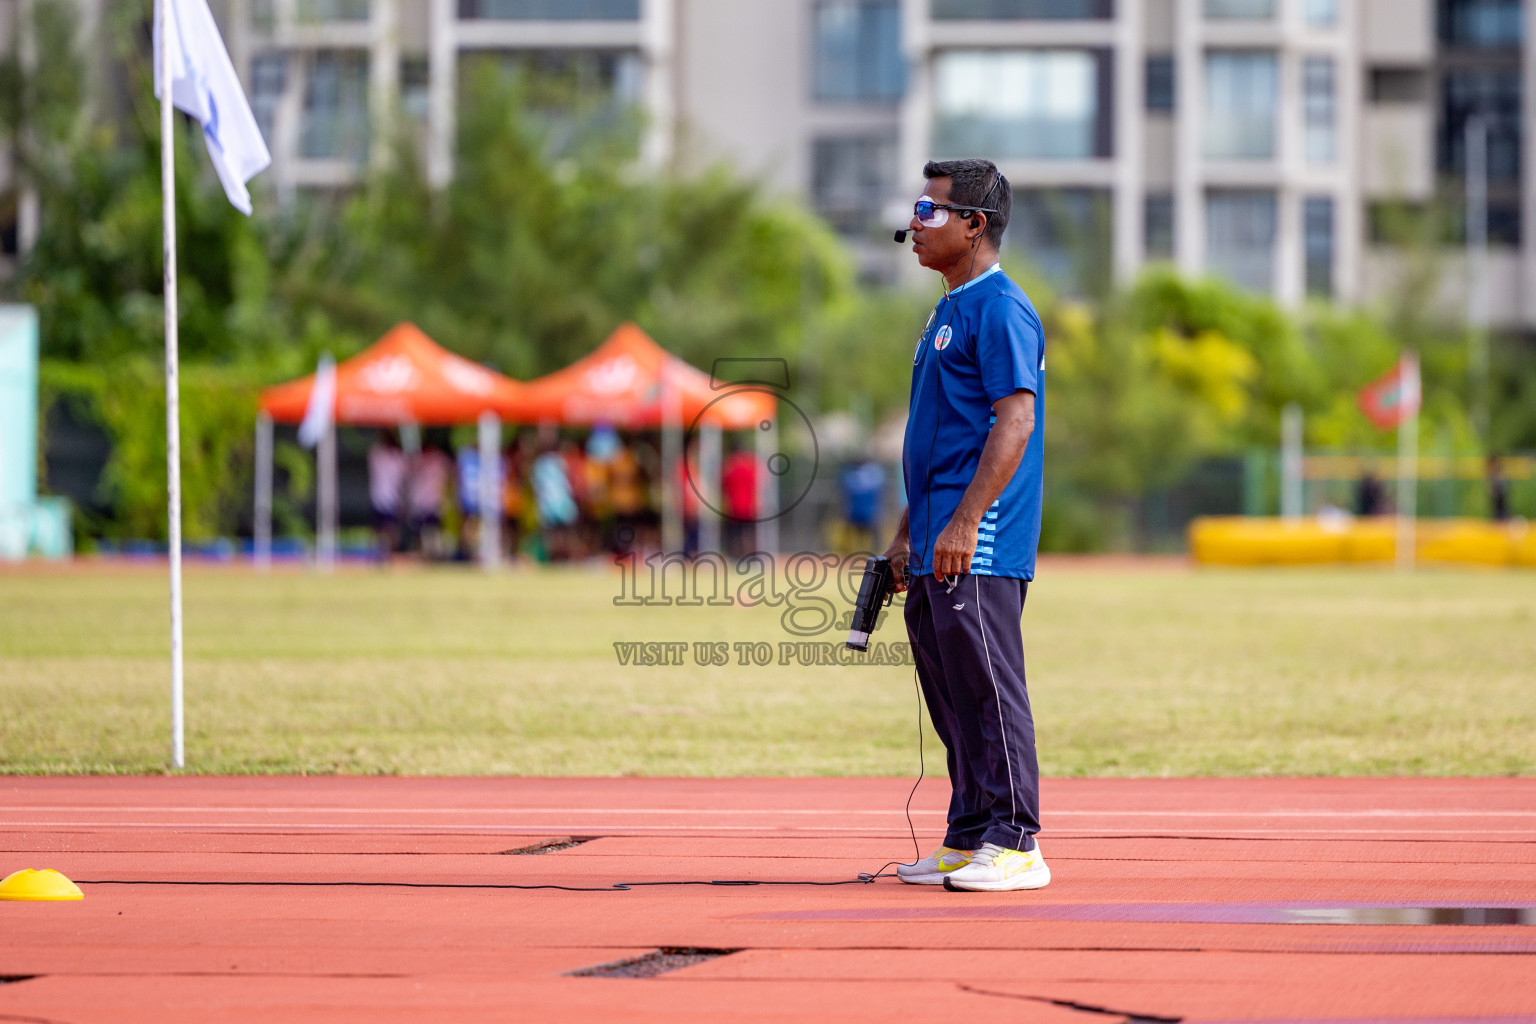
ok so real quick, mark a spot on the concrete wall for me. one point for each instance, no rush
(1387, 273)
(1398, 152)
(744, 84)
(1397, 31)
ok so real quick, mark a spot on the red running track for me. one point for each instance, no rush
(1197, 900)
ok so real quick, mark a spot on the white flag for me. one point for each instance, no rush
(321, 409)
(204, 85)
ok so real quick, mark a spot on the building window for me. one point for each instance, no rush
(551, 10)
(1157, 225)
(1503, 223)
(1023, 10)
(1319, 109)
(858, 51)
(1317, 242)
(1396, 223)
(1322, 13)
(1494, 95)
(1399, 85)
(269, 80)
(1241, 96)
(336, 107)
(263, 15)
(332, 10)
(1034, 104)
(1246, 10)
(1160, 83)
(415, 88)
(1065, 235)
(1240, 237)
(851, 177)
(1482, 24)
(566, 81)
(571, 97)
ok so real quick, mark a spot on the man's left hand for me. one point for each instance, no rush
(953, 549)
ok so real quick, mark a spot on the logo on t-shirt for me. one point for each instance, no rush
(943, 338)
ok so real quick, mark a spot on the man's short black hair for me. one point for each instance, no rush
(977, 183)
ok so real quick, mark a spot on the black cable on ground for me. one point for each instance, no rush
(922, 767)
(862, 878)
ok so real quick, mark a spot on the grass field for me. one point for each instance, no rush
(1133, 671)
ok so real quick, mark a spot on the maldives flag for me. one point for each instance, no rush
(1394, 399)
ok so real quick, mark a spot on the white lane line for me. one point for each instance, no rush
(192, 828)
(764, 812)
(808, 830)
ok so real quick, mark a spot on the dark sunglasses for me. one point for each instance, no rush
(925, 210)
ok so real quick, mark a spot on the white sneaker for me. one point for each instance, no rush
(994, 869)
(934, 868)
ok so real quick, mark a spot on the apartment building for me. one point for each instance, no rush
(327, 76)
(1280, 143)
(1284, 144)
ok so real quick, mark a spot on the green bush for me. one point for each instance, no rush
(127, 399)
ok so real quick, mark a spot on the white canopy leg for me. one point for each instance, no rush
(672, 538)
(767, 487)
(262, 528)
(709, 487)
(326, 502)
(490, 491)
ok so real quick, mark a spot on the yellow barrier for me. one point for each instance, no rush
(1250, 540)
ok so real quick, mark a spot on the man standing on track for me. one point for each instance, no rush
(973, 465)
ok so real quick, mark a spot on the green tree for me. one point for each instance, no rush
(528, 259)
(96, 273)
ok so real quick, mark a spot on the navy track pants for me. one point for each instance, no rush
(970, 662)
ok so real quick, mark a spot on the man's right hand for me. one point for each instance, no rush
(899, 553)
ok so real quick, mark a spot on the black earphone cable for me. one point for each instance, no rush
(922, 764)
(938, 405)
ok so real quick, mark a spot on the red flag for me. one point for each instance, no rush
(1394, 399)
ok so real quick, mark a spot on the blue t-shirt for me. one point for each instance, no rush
(983, 342)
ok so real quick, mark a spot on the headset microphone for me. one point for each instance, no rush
(901, 237)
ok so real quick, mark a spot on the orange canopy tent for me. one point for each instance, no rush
(633, 383)
(404, 377)
(623, 382)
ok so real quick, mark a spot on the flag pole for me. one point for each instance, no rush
(172, 382)
(1407, 461)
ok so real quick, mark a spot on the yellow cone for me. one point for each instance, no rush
(46, 884)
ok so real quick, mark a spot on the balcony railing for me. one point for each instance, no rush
(551, 10)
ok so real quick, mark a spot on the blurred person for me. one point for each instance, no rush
(429, 475)
(575, 462)
(738, 486)
(973, 464)
(556, 505)
(862, 484)
(603, 443)
(387, 467)
(648, 453)
(471, 516)
(515, 506)
(1498, 490)
(1370, 496)
(688, 496)
(626, 490)
(602, 449)
(467, 476)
